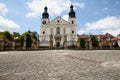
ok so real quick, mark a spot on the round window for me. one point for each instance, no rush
(44, 22)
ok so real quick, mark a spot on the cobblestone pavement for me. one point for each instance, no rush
(60, 65)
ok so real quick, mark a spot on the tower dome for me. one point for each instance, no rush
(45, 14)
(72, 12)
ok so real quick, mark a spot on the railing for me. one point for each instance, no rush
(9, 48)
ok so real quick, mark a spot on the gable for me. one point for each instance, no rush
(58, 20)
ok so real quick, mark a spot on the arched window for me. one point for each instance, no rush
(58, 21)
(43, 32)
(72, 32)
(72, 22)
(58, 30)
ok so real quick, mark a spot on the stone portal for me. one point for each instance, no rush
(58, 41)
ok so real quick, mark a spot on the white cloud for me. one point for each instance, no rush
(55, 7)
(81, 5)
(3, 9)
(114, 32)
(81, 31)
(65, 17)
(106, 25)
(6, 24)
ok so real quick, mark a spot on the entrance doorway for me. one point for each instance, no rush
(58, 44)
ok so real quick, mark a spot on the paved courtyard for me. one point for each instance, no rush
(60, 65)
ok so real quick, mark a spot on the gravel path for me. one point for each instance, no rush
(60, 65)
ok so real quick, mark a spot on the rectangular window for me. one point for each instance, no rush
(58, 30)
(64, 31)
(51, 30)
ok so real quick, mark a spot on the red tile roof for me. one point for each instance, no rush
(84, 36)
(101, 36)
(114, 39)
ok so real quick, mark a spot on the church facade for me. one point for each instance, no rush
(58, 33)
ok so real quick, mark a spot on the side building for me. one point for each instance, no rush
(58, 33)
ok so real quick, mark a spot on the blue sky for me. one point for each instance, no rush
(93, 16)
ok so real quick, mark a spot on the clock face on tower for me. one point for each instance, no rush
(44, 22)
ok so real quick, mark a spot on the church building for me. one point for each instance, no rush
(58, 33)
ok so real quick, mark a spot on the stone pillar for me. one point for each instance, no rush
(24, 43)
(109, 40)
(86, 44)
(100, 45)
(118, 41)
(100, 42)
(110, 44)
(78, 43)
(65, 42)
(13, 45)
(38, 41)
(51, 45)
(90, 43)
(3, 44)
(51, 42)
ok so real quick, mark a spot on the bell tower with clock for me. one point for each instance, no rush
(44, 20)
(72, 21)
(72, 16)
(45, 16)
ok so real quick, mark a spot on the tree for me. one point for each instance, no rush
(95, 42)
(1, 34)
(7, 35)
(21, 39)
(82, 43)
(28, 39)
(34, 34)
(16, 34)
